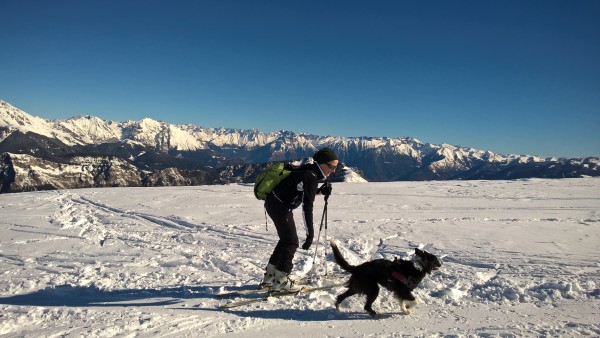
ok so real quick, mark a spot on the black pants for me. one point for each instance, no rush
(286, 248)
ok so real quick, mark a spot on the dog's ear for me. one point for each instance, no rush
(418, 251)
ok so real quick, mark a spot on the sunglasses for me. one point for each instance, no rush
(331, 167)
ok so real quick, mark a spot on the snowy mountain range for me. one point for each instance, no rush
(86, 151)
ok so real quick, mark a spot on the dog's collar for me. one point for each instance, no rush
(408, 281)
(399, 276)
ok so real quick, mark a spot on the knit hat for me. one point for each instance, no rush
(325, 155)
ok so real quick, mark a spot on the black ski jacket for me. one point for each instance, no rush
(300, 187)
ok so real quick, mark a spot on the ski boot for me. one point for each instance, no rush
(268, 278)
(283, 283)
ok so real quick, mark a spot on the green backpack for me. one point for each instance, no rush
(270, 178)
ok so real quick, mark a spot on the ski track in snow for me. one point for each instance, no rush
(520, 259)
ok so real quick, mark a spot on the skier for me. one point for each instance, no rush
(300, 187)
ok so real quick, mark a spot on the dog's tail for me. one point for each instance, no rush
(339, 259)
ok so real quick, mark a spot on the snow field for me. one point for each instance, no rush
(520, 259)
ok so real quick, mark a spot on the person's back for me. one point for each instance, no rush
(291, 190)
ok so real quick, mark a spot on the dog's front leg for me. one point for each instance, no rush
(407, 305)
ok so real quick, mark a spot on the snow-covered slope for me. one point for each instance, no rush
(31, 173)
(520, 259)
(16, 119)
(21, 172)
(160, 135)
(222, 137)
(351, 175)
(91, 130)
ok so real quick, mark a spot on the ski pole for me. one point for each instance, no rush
(323, 217)
(326, 240)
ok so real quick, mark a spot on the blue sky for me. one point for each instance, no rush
(507, 76)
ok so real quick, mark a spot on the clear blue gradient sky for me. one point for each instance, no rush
(517, 77)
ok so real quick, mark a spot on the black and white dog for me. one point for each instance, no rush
(398, 276)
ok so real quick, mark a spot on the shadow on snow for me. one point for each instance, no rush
(306, 315)
(81, 296)
(92, 296)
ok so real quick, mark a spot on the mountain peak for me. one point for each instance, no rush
(17, 119)
(150, 122)
(84, 117)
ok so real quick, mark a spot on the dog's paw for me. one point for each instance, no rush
(408, 305)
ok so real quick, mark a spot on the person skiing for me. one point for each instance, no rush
(299, 188)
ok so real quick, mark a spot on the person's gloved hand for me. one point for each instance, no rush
(325, 189)
(307, 243)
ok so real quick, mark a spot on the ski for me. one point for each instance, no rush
(306, 289)
(252, 290)
(330, 276)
